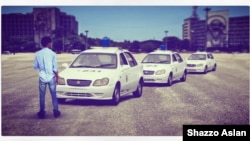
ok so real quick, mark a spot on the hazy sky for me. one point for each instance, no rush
(132, 22)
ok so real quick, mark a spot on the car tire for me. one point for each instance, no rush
(170, 80)
(138, 92)
(205, 70)
(116, 96)
(61, 100)
(214, 68)
(184, 76)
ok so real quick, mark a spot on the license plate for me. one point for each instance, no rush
(191, 70)
(149, 80)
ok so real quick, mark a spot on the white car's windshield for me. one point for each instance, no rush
(197, 57)
(157, 58)
(95, 60)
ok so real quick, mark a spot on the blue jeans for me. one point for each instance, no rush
(42, 92)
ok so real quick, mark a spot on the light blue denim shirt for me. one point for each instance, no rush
(46, 63)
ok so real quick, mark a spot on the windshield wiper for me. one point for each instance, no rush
(106, 65)
(150, 62)
(165, 62)
(84, 66)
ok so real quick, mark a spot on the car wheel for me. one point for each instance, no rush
(184, 76)
(61, 100)
(205, 70)
(170, 80)
(138, 91)
(116, 96)
(214, 69)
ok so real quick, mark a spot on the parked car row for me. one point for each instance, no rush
(107, 73)
(163, 66)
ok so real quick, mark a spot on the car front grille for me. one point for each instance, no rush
(145, 72)
(191, 65)
(80, 94)
(79, 83)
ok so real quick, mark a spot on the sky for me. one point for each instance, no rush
(139, 23)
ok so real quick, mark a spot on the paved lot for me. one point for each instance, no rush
(220, 97)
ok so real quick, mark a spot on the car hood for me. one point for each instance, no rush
(155, 66)
(87, 73)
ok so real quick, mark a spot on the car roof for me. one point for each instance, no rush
(100, 49)
(162, 52)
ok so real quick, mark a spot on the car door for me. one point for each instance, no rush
(133, 73)
(174, 66)
(212, 61)
(125, 68)
(209, 62)
(180, 65)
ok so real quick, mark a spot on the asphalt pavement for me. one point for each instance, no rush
(220, 97)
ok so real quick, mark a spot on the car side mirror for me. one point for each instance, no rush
(65, 65)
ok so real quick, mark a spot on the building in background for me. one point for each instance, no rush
(218, 31)
(41, 22)
(238, 33)
(194, 30)
(17, 25)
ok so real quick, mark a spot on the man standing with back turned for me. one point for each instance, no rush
(46, 63)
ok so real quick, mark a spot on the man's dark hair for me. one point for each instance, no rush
(45, 41)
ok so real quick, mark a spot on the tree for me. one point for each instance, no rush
(173, 43)
(135, 46)
(185, 44)
(150, 45)
(73, 42)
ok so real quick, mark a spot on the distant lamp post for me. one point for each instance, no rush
(166, 35)
(207, 9)
(86, 45)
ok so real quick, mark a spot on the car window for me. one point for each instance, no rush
(131, 60)
(123, 60)
(208, 56)
(157, 58)
(197, 57)
(178, 57)
(174, 58)
(211, 56)
(95, 60)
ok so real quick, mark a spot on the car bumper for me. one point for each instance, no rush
(195, 69)
(95, 93)
(155, 78)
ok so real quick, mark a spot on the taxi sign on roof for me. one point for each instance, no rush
(163, 47)
(105, 42)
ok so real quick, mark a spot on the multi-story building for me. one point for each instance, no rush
(218, 31)
(41, 22)
(17, 25)
(239, 32)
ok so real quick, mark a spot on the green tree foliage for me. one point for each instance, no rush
(135, 46)
(150, 45)
(18, 44)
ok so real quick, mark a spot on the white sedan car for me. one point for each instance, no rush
(101, 73)
(163, 66)
(201, 62)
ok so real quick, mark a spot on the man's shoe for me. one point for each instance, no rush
(57, 113)
(41, 114)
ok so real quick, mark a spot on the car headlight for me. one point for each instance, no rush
(199, 65)
(159, 72)
(61, 81)
(101, 82)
